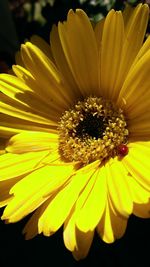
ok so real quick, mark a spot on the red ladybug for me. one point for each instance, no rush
(122, 150)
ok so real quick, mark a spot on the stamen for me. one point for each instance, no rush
(92, 130)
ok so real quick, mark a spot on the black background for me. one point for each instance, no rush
(131, 250)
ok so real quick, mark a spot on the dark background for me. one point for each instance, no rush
(16, 25)
(129, 251)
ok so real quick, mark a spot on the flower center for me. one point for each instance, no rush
(93, 129)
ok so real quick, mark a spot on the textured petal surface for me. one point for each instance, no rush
(91, 201)
(137, 164)
(15, 109)
(13, 165)
(62, 64)
(84, 241)
(51, 220)
(118, 187)
(111, 51)
(134, 34)
(39, 91)
(11, 125)
(75, 240)
(37, 62)
(43, 45)
(32, 141)
(30, 192)
(80, 49)
(135, 91)
(111, 227)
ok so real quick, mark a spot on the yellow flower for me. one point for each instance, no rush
(76, 118)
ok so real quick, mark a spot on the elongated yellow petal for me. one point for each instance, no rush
(76, 241)
(137, 164)
(111, 227)
(69, 232)
(31, 228)
(144, 49)
(92, 201)
(62, 64)
(135, 91)
(99, 33)
(111, 52)
(18, 59)
(142, 210)
(43, 45)
(15, 165)
(12, 83)
(49, 78)
(32, 141)
(29, 193)
(40, 59)
(5, 187)
(141, 198)
(51, 220)
(127, 13)
(39, 91)
(140, 126)
(11, 125)
(134, 35)
(118, 187)
(84, 241)
(21, 93)
(80, 49)
(18, 110)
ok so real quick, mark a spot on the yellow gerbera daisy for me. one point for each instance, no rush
(76, 120)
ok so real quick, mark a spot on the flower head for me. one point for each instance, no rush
(75, 118)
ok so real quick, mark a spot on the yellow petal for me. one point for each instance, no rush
(137, 164)
(141, 199)
(127, 12)
(11, 125)
(32, 141)
(142, 210)
(14, 165)
(62, 64)
(43, 45)
(39, 91)
(134, 35)
(5, 187)
(119, 188)
(99, 33)
(29, 193)
(21, 93)
(92, 201)
(51, 220)
(80, 49)
(140, 126)
(40, 60)
(49, 79)
(69, 232)
(135, 91)
(18, 110)
(75, 240)
(111, 51)
(18, 59)
(31, 228)
(145, 47)
(111, 227)
(84, 241)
